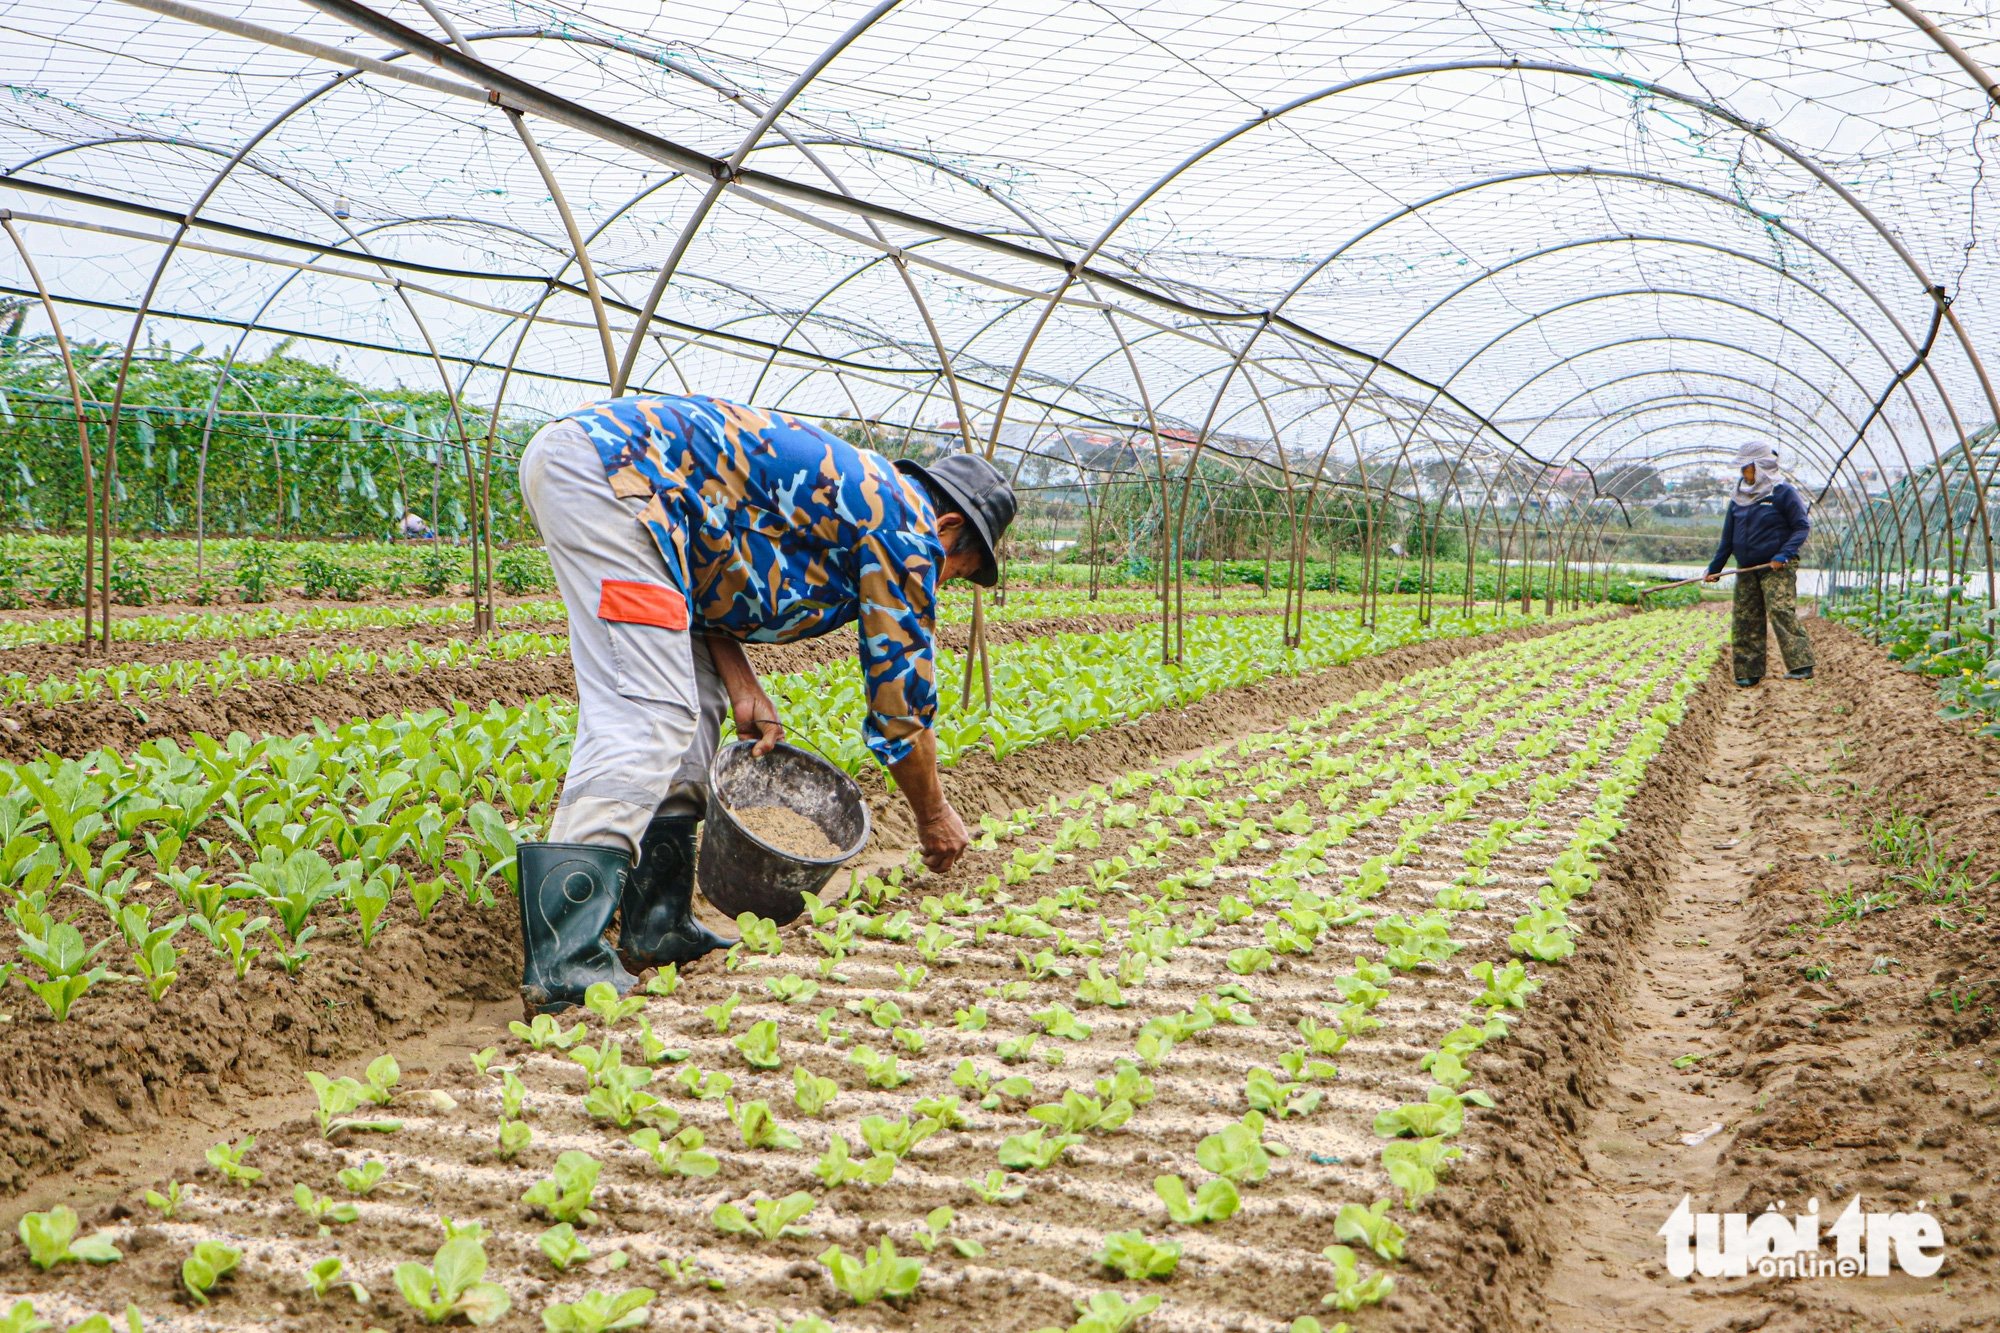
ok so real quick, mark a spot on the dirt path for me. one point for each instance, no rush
(1813, 1061)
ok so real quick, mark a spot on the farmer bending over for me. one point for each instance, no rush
(679, 529)
(1766, 524)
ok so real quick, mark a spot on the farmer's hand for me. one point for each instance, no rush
(1777, 564)
(1711, 578)
(943, 839)
(756, 719)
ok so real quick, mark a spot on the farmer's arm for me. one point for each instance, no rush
(756, 717)
(897, 666)
(1793, 510)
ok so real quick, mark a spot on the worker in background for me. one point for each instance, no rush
(680, 528)
(414, 528)
(1766, 525)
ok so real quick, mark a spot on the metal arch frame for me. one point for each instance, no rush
(1494, 272)
(82, 427)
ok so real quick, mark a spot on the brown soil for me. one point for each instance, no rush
(1862, 1080)
(786, 830)
(290, 707)
(123, 1066)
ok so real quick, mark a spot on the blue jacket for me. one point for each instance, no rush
(1772, 529)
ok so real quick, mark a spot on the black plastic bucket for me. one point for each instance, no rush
(740, 872)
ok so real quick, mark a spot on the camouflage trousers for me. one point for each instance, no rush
(1772, 593)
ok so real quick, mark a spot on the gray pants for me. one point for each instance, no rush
(649, 705)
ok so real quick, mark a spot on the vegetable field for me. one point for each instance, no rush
(1240, 1013)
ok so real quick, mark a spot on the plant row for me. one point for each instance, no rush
(255, 848)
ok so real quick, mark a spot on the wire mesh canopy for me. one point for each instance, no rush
(1531, 243)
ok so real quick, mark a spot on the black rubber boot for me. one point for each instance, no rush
(568, 892)
(1745, 682)
(656, 924)
(1803, 673)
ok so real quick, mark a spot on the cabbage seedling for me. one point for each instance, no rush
(1372, 1227)
(361, 1180)
(720, 1014)
(1109, 1312)
(895, 1137)
(1237, 1152)
(792, 989)
(879, 1068)
(546, 1034)
(167, 1204)
(706, 1087)
(51, 1239)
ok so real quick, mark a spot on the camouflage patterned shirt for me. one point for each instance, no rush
(775, 530)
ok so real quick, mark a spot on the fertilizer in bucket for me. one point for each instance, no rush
(779, 825)
(787, 830)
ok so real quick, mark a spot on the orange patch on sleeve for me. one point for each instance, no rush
(630, 603)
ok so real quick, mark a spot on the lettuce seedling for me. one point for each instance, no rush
(51, 1239)
(1506, 987)
(970, 1020)
(1238, 1152)
(381, 1078)
(880, 1069)
(1351, 1291)
(452, 1285)
(211, 1262)
(561, 1247)
(546, 1034)
(1322, 1041)
(1109, 1312)
(931, 945)
(895, 1137)
(323, 1277)
(757, 1127)
(686, 1272)
(361, 1180)
(167, 1204)
(321, 1208)
(720, 1014)
(932, 1233)
(759, 934)
(1265, 1093)
(811, 1093)
(483, 1060)
(705, 1087)
(792, 989)
(678, 1155)
(881, 1273)
(1035, 1151)
(515, 1136)
(775, 1219)
(653, 1051)
(1414, 1166)
(837, 1166)
(1215, 1201)
(946, 1110)
(665, 981)
(1372, 1227)
(602, 999)
(1076, 1113)
(227, 1159)
(565, 1194)
(996, 1187)
(600, 1312)
(1132, 1256)
(1443, 1113)
(1059, 1022)
(759, 1046)
(1096, 988)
